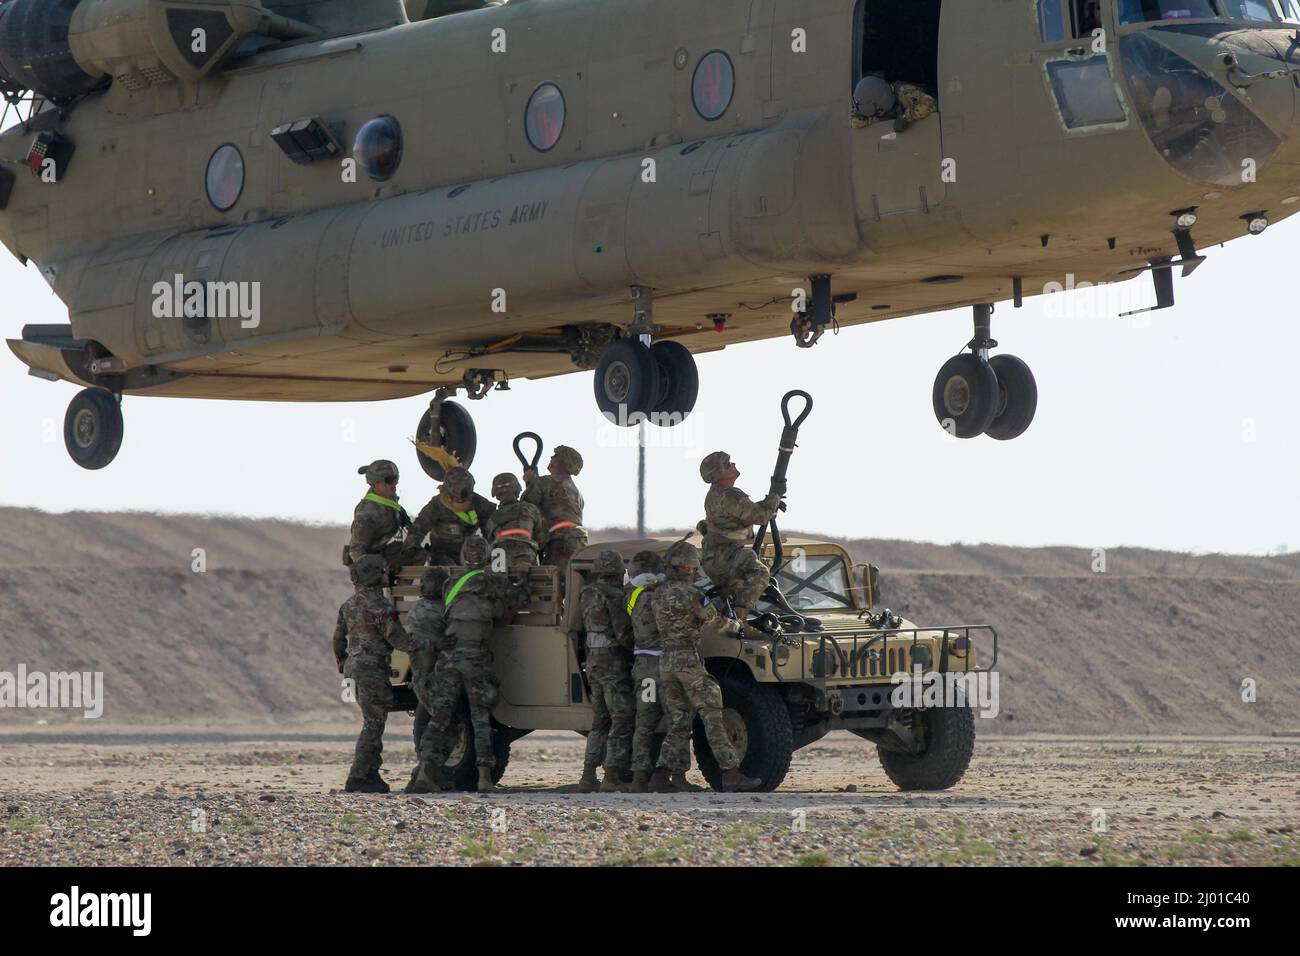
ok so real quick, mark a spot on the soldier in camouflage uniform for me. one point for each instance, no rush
(646, 575)
(729, 519)
(453, 515)
(474, 603)
(426, 621)
(367, 632)
(875, 100)
(602, 613)
(379, 522)
(561, 505)
(515, 526)
(685, 687)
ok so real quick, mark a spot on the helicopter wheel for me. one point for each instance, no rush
(627, 382)
(1017, 398)
(679, 383)
(966, 395)
(92, 428)
(456, 433)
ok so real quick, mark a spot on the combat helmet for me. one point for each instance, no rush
(568, 459)
(458, 483)
(647, 562)
(713, 465)
(432, 582)
(476, 552)
(680, 555)
(608, 563)
(370, 570)
(506, 487)
(380, 471)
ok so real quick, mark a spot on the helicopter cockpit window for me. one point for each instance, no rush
(1086, 15)
(1290, 10)
(1144, 11)
(1085, 92)
(378, 148)
(1248, 10)
(225, 177)
(1051, 25)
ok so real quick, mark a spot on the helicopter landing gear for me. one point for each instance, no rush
(636, 380)
(457, 438)
(92, 428)
(975, 395)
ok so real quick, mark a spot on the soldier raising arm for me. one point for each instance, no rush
(561, 504)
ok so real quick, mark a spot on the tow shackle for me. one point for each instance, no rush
(790, 434)
(529, 465)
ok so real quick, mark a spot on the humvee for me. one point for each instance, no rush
(779, 694)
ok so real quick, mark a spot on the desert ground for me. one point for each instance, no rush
(203, 798)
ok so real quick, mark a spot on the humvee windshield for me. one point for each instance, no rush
(815, 583)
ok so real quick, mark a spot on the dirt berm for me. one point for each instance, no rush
(1157, 644)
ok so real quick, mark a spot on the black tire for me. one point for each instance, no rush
(769, 739)
(679, 383)
(462, 763)
(458, 435)
(627, 382)
(1017, 398)
(966, 395)
(950, 741)
(92, 428)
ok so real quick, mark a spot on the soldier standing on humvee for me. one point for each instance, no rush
(366, 634)
(453, 515)
(378, 521)
(729, 519)
(601, 609)
(646, 575)
(561, 505)
(474, 603)
(515, 526)
(685, 687)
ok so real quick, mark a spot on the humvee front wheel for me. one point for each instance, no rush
(949, 734)
(758, 724)
(462, 762)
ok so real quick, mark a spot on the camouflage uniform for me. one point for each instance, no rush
(455, 514)
(515, 526)
(561, 505)
(378, 523)
(426, 621)
(609, 664)
(729, 519)
(474, 603)
(367, 632)
(685, 687)
(639, 595)
(911, 105)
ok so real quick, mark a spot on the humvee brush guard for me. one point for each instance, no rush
(779, 694)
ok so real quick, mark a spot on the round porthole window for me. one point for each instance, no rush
(714, 85)
(225, 178)
(544, 118)
(378, 147)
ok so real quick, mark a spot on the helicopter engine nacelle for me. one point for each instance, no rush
(61, 50)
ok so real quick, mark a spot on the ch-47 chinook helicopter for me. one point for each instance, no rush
(349, 200)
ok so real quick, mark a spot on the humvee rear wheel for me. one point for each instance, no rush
(92, 428)
(462, 762)
(758, 725)
(949, 735)
(456, 433)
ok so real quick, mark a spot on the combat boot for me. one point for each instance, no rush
(433, 777)
(677, 783)
(659, 780)
(641, 781)
(485, 781)
(733, 781)
(613, 782)
(588, 783)
(748, 630)
(374, 779)
(364, 785)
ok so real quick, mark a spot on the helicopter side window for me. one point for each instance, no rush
(1141, 11)
(1248, 10)
(1290, 10)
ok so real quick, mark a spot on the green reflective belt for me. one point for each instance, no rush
(455, 588)
(631, 602)
(381, 500)
(469, 517)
